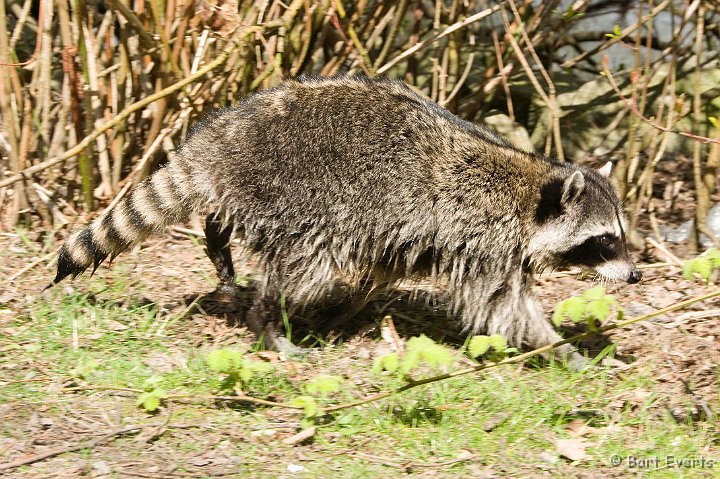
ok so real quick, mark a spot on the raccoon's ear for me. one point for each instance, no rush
(605, 169)
(572, 188)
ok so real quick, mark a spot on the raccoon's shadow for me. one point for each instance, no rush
(414, 312)
(594, 344)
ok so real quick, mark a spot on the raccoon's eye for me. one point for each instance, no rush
(605, 240)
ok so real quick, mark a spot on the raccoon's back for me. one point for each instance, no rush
(341, 154)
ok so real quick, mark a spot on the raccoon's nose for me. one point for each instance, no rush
(635, 276)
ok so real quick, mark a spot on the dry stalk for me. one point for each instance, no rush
(635, 111)
(241, 35)
(423, 44)
(535, 83)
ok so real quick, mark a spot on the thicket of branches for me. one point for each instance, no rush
(91, 93)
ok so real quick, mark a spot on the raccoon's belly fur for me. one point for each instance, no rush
(368, 183)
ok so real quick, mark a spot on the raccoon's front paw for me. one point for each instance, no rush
(226, 292)
(226, 298)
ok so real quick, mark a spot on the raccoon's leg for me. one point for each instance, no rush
(539, 332)
(217, 248)
(264, 320)
(367, 291)
(369, 288)
(512, 311)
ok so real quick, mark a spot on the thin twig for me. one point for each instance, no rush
(76, 447)
(452, 28)
(624, 33)
(38, 40)
(666, 252)
(635, 111)
(30, 266)
(555, 112)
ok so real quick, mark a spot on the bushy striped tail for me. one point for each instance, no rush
(169, 196)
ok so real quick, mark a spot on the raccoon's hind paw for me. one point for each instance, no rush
(284, 346)
(577, 363)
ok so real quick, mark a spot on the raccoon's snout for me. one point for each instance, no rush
(619, 270)
(635, 276)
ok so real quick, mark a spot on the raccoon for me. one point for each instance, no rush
(364, 183)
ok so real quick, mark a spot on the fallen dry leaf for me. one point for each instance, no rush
(578, 427)
(573, 449)
(300, 437)
(390, 335)
(495, 421)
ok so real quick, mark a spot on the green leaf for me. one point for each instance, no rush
(498, 342)
(422, 348)
(388, 362)
(599, 310)
(592, 305)
(420, 343)
(704, 269)
(702, 265)
(225, 360)
(596, 292)
(714, 121)
(713, 255)
(478, 345)
(324, 384)
(438, 356)
(414, 352)
(574, 308)
(308, 404)
(558, 315)
(689, 269)
(617, 31)
(245, 375)
(150, 400)
(410, 361)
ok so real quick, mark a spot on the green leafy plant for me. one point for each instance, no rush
(493, 347)
(570, 14)
(703, 265)
(310, 409)
(84, 367)
(593, 306)
(151, 399)
(153, 394)
(420, 349)
(323, 385)
(617, 32)
(239, 369)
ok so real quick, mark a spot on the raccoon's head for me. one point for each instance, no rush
(580, 222)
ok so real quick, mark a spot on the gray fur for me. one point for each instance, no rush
(364, 183)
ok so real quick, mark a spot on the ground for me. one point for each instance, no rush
(74, 358)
